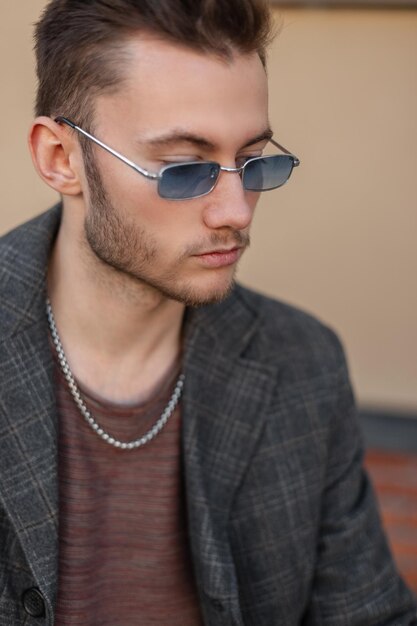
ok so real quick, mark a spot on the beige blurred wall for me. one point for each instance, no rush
(340, 239)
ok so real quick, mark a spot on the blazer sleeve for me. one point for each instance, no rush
(355, 581)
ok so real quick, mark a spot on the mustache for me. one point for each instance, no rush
(230, 239)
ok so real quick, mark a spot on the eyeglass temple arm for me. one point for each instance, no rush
(137, 168)
(285, 151)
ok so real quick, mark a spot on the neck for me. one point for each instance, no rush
(120, 336)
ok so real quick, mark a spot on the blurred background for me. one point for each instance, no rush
(340, 239)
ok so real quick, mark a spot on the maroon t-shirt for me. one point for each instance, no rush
(123, 548)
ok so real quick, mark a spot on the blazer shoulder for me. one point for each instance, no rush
(33, 233)
(292, 333)
(24, 253)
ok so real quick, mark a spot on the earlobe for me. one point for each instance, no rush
(53, 153)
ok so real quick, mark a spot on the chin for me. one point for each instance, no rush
(195, 295)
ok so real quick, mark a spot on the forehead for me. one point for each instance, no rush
(168, 86)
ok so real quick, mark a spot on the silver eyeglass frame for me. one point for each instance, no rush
(140, 170)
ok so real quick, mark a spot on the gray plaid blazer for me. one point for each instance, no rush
(282, 520)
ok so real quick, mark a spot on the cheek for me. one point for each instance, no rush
(171, 224)
(252, 198)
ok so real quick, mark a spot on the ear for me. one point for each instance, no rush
(56, 155)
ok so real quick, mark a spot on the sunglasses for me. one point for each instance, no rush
(184, 181)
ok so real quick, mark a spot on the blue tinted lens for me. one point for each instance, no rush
(188, 180)
(267, 172)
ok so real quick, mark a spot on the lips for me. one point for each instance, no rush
(220, 257)
(219, 251)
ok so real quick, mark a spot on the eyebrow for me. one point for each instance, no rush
(182, 136)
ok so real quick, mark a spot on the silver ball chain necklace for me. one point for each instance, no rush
(75, 392)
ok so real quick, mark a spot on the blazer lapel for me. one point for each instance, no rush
(28, 459)
(225, 399)
(28, 425)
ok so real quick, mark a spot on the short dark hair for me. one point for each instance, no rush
(79, 43)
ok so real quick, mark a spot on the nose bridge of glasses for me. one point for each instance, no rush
(232, 170)
(231, 184)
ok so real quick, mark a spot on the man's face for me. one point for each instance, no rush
(176, 105)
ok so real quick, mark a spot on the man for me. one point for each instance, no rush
(175, 449)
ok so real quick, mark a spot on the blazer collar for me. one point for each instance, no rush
(24, 254)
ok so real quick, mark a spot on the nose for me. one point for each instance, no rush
(228, 204)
